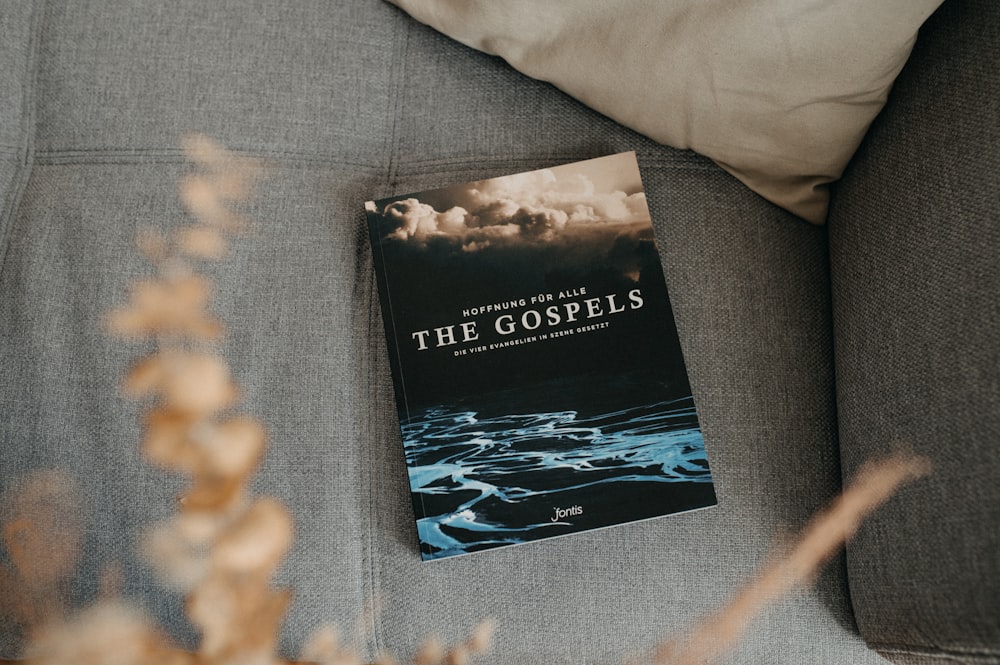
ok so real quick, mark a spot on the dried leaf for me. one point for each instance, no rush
(176, 306)
(458, 655)
(191, 384)
(167, 443)
(145, 377)
(232, 176)
(233, 448)
(257, 542)
(42, 531)
(322, 647)
(214, 493)
(239, 621)
(152, 243)
(43, 527)
(204, 151)
(385, 658)
(431, 652)
(262, 623)
(179, 548)
(482, 636)
(199, 527)
(197, 383)
(205, 202)
(237, 182)
(202, 242)
(105, 634)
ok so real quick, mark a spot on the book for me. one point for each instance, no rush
(539, 379)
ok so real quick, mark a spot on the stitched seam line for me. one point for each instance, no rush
(25, 152)
(461, 162)
(118, 156)
(113, 155)
(986, 655)
(389, 161)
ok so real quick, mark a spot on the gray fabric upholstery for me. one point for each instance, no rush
(348, 101)
(916, 275)
(768, 427)
(16, 52)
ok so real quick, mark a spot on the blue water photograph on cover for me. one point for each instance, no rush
(539, 379)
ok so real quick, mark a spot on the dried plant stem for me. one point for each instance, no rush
(821, 538)
(223, 545)
(42, 533)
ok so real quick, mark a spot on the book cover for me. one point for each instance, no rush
(539, 379)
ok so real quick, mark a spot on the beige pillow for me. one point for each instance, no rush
(777, 92)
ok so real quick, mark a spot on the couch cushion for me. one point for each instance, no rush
(349, 101)
(916, 276)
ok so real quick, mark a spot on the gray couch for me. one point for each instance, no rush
(810, 349)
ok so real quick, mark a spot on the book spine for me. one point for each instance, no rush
(382, 278)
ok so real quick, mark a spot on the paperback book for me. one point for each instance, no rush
(538, 375)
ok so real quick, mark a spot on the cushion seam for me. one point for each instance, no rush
(25, 152)
(389, 164)
(953, 652)
(126, 157)
(122, 156)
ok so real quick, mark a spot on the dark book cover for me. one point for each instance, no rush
(539, 379)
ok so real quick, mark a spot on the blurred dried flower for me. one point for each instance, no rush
(431, 652)
(105, 634)
(234, 447)
(324, 648)
(482, 637)
(221, 548)
(225, 178)
(179, 548)
(232, 176)
(196, 383)
(152, 244)
(168, 442)
(239, 622)
(821, 538)
(203, 200)
(42, 531)
(256, 542)
(167, 307)
(202, 242)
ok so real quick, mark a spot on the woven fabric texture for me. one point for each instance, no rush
(350, 101)
(916, 276)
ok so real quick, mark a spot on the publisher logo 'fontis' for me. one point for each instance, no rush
(563, 513)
